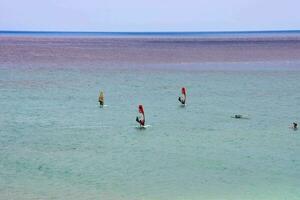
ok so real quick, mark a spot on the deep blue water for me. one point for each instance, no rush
(151, 34)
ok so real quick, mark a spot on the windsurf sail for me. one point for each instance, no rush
(182, 98)
(141, 116)
(101, 98)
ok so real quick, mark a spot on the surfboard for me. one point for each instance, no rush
(143, 127)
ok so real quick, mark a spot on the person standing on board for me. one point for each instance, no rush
(141, 117)
(101, 99)
(182, 99)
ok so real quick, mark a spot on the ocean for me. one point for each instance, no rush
(57, 143)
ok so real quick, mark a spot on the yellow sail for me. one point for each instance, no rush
(101, 97)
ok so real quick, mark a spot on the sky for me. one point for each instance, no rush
(149, 15)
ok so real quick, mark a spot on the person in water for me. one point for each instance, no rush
(141, 117)
(101, 99)
(182, 99)
(238, 116)
(295, 125)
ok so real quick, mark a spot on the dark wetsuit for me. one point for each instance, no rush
(295, 125)
(181, 100)
(101, 103)
(141, 122)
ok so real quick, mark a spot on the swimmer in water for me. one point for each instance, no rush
(238, 116)
(295, 125)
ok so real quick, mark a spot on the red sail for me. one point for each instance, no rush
(142, 118)
(183, 92)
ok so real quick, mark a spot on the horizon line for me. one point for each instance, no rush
(150, 32)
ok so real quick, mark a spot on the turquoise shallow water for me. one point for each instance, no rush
(56, 143)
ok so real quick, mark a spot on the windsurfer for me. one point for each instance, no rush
(101, 99)
(141, 117)
(182, 99)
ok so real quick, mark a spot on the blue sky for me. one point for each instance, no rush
(149, 15)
